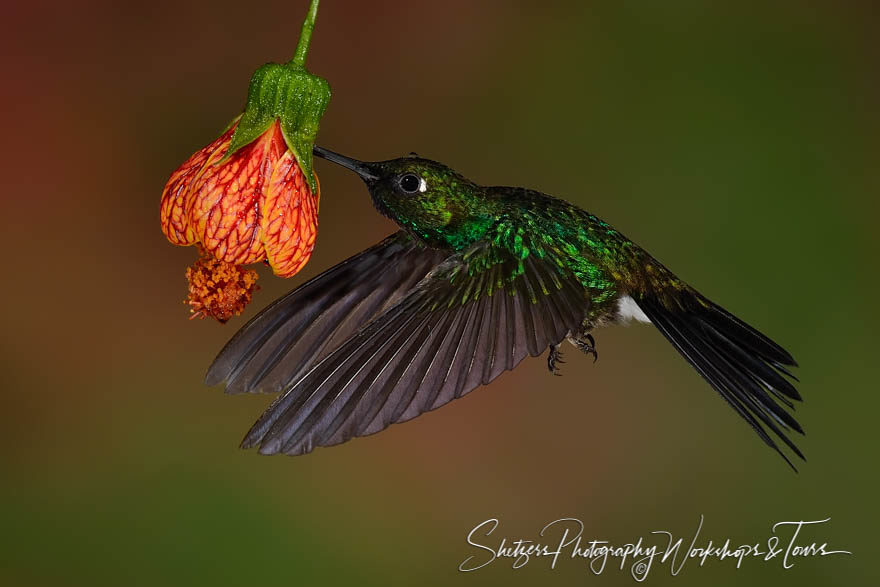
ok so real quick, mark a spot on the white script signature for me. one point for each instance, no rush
(564, 539)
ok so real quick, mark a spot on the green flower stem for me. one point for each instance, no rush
(289, 94)
(305, 37)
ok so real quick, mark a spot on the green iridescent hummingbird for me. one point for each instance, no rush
(477, 279)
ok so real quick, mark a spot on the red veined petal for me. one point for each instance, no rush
(290, 218)
(176, 195)
(227, 202)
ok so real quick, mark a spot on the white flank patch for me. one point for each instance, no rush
(630, 310)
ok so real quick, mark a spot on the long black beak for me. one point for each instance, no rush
(359, 167)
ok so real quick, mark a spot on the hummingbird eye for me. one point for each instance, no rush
(411, 183)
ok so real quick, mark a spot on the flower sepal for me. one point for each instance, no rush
(294, 97)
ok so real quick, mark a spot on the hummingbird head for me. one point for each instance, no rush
(425, 197)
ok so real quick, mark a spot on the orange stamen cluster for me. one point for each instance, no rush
(219, 289)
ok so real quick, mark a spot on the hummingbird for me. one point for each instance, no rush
(477, 279)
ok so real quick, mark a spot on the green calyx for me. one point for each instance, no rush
(294, 97)
(291, 95)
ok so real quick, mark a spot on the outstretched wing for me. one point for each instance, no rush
(298, 330)
(473, 317)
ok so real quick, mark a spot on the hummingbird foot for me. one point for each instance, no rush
(554, 357)
(586, 344)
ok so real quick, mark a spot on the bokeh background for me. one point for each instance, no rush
(737, 141)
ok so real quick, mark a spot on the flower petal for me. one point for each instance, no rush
(177, 193)
(290, 218)
(227, 203)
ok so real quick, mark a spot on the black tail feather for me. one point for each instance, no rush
(745, 367)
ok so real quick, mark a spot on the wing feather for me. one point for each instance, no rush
(297, 331)
(455, 330)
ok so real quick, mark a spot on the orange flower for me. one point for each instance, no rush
(252, 206)
(252, 194)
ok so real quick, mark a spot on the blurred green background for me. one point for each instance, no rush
(737, 141)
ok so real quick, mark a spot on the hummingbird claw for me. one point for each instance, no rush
(553, 358)
(587, 344)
